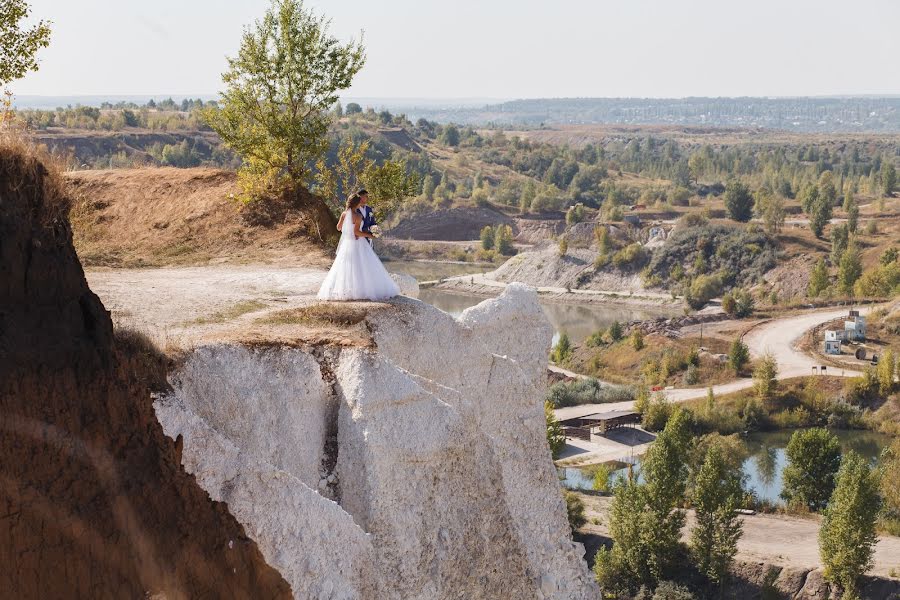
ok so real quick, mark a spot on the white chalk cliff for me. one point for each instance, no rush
(416, 469)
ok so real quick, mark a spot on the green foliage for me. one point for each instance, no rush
(889, 473)
(562, 350)
(887, 370)
(703, 289)
(632, 257)
(738, 303)
(850, 268)
(574, 510)
(717, 493)
(840, 236)
(819, 205)
(888, 177)
(602, 475)
(770, 208)
(765, 378)
(450, 136)
(278, 91)
(738, 356)
(847, 537)
(487, 237)
(353, 108)
(587, 391)
(556, 438)
(657, 413)
(20, 45)
(503, 239)
(563, 245)
(818, 279)
(615, 331)
(738, 201)
(575, 214)
(853, 217)
(666, 590)
(814, 456)
(637, 340)
(692, 375)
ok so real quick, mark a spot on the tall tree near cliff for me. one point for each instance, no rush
(847, 537)
(18, 48)
(717, 494)
(18, 45)
(279, 89)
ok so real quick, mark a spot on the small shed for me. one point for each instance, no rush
(832, 346)
(599, 423)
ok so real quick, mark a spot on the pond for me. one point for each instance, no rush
(578, 321)
(766, 459)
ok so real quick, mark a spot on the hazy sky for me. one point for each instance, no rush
(495, 48)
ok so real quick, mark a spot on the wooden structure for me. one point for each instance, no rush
(599, 423)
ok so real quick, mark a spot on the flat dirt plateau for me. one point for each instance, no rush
(155, 217)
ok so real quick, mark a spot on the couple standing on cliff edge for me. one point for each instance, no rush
(357, 272)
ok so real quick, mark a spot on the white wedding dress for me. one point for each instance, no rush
(357, 272)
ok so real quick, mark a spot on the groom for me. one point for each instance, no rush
(368, 215)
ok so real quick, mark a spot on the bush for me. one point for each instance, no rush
(637, 340)
(632, 257)
(703, 289)
(738, 356)
(556, 438)
(574, 510)
(503, 239)
(692, 375)
(562, 350)
(738, 303)
(563, 245)
(587, 391)
(487, 238)
(615, 331)
(657, 414)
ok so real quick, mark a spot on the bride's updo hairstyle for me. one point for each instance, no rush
(352, 202)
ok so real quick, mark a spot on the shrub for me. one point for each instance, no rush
(563, 245)
(738, 303)
(556, 438)
(632, 257)
(657, 413)
(587, 391)
(765, 378)
(574, 510)
(703, 289)
(503, 239)
(738, 356)
(637, 340)
(692, 375)
(562, 350)
(615, 331)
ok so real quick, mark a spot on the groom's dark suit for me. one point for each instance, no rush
(368, 219)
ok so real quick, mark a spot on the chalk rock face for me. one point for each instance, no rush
(409, 287)
(415, 470)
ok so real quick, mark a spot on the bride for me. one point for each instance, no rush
(357, 272)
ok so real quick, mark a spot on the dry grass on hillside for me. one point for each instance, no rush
(167, 216)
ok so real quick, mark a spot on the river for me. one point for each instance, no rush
(578, 321)
(765, 460)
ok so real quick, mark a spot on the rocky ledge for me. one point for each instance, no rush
(417, 468)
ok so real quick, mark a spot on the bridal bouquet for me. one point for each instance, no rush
(375, 231)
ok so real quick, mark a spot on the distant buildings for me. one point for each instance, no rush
(854, 331)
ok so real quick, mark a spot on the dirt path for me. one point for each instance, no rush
(777, 539)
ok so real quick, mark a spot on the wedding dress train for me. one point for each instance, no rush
(357, 272)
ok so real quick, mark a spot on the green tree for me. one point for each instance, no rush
(765, 378)
(563, 245)
(626, 565)
(450, 136)
(738, 201)
(604, 242)
(853, 217)
(574, 510)
(637, 339)
(847, 537)
(827, 190)
(562, 350)
(353, 108)
(887, 367)
(615, 331)
(738, 356)
(274, 112)
(888, 177)
(717, 494)
(556, 438)
(487, 237)
(770, 208)
(818, 279)
(814, 456)
(503, 239)
(850, 268)
(20, 44)
(889, 471)
(820, 214)
(840, 237)
(390, 184)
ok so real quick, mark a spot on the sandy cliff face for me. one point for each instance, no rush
(417, 470)
(93, 500)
